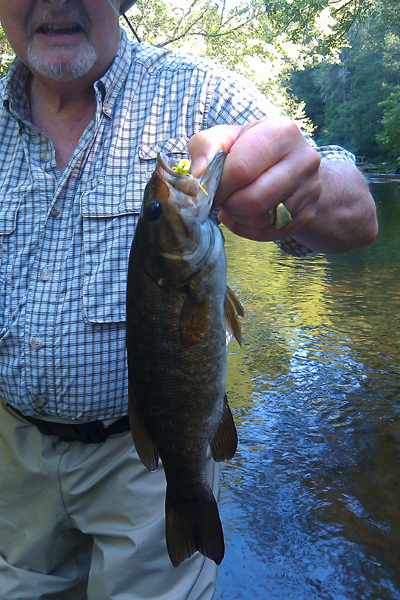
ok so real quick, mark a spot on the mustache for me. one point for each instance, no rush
(45, 17)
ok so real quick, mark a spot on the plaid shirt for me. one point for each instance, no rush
(65, 237)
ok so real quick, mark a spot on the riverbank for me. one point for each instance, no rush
(380, 168)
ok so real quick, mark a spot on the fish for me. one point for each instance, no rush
(178, 310)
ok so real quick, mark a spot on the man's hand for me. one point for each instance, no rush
(270, 162)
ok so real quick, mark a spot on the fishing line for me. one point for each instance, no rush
(126, 19)
(131, 28)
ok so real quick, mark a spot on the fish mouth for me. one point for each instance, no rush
(188, 185)
(188, 190)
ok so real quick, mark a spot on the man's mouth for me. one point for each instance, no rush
(57, 29)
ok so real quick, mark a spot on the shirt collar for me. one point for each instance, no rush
(106, 88)
(109, 86)
(15, 98)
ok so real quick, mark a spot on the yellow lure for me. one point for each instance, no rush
(183, 168)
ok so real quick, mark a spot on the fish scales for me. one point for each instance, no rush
(176, 299)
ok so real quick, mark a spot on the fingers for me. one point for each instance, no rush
(289, 181)
(254, 163)
(259, 228)
(268, 162)
(251, 150)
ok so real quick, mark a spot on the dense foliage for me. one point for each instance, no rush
(6, 55)
(355, 100)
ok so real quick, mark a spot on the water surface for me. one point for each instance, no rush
(311, 502)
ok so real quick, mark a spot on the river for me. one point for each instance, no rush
(311, 502)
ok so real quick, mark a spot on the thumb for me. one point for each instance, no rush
(204, 146)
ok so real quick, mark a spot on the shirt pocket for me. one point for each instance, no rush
(9, 208)
(110, 209)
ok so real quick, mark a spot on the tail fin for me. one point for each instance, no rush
(193, 525)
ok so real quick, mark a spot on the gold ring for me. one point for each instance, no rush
(279, 216)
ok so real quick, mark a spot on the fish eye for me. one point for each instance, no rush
(153, 210)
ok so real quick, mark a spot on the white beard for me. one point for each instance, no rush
(59, 70)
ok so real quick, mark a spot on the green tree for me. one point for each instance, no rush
(299, 20)
(6, 54)
(389, 137)
(241, 37)
(347, 97)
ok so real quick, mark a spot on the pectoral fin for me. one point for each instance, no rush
(193, 319)
(233, 308)
(144, 445)
(224, 443)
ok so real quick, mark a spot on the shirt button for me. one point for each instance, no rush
(55, 211)
(45, 156)
(41, 401)
(45, 274)
(37, 343)
(107, 110)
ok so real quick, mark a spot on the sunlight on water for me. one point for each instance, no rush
(311, 502)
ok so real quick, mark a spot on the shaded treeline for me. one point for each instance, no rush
(355, 100)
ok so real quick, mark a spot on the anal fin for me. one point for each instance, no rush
(224, 443)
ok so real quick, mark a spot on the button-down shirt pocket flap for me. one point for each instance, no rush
(9, 207)
(177, 146)
(108, 196)
(110, 212)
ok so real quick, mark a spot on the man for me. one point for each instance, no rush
(84, 113)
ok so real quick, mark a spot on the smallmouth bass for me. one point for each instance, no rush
(178, 310)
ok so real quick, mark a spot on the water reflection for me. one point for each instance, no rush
(311, 502)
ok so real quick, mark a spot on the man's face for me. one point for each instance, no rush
(63, 39)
